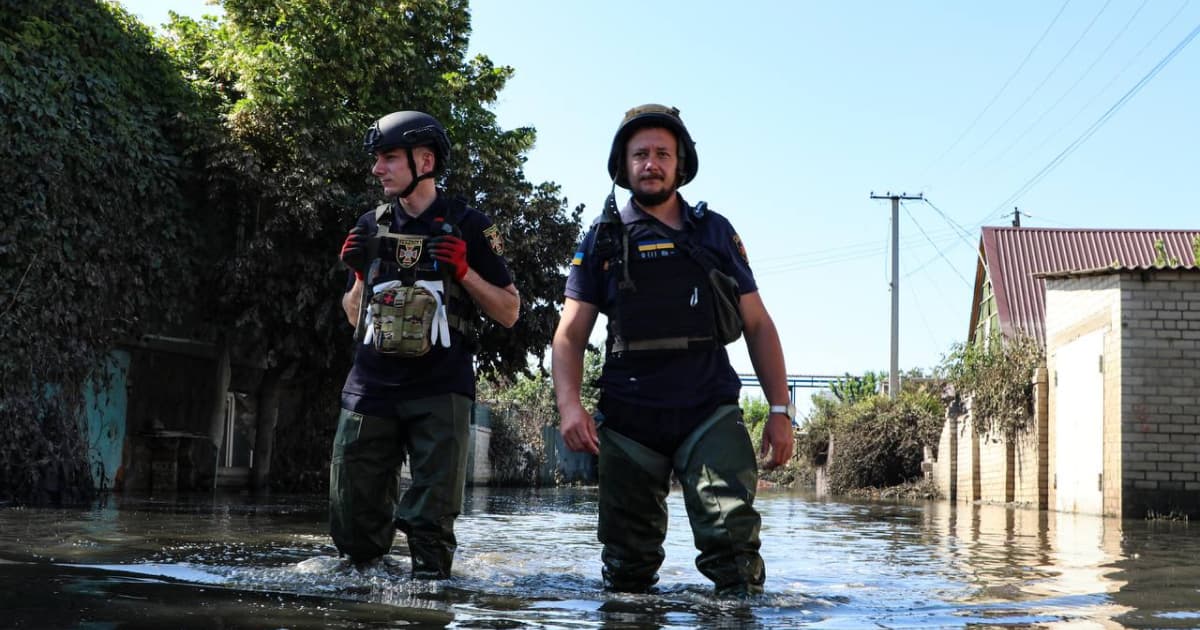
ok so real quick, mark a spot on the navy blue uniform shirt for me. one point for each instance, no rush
(684, 379)
(376, 381)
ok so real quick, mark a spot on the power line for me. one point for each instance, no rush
(1136, 56)
(834, 256)
(1004, 87)
(935, 247)
(1068, 91)
(1037, 89)
(1103, 119)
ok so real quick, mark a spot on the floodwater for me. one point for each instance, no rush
(529, 559)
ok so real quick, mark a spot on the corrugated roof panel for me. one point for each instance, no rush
(1014, 255)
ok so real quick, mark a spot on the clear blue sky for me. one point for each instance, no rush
(801, 110)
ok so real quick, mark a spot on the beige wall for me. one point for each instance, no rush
(1030, 463)
(944, 468)
(1159, 383)
(995, 469)
(966, 478)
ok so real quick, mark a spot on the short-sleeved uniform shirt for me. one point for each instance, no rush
(376, 381)
(683, 379)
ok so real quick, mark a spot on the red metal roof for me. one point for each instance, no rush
(1013, 255)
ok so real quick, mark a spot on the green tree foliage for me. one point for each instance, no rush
(96, 238)
(521, 408)
(296, 84)
(294, 87)
(998, 377)
(851, 389)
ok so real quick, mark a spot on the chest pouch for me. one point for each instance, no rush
(402, 320)
(727, 310)
(671, 309)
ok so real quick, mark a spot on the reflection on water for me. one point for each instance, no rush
(530, 559)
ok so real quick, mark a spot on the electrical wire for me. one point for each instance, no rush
(1091, 130)
(1154, 38)
(1070, 89)
(1000, 92)
(935, 247)
(1037, 89)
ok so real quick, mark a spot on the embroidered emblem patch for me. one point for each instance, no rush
(741, 248)
(408, 251)
(493, 237)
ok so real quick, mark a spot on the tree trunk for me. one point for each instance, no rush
(264, 432)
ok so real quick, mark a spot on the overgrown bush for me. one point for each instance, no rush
(879, 442)
(875, 442)
(520, 411)
(997, 375)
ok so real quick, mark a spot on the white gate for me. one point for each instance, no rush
(1079, 424)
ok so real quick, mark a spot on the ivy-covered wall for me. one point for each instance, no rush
(96, 237)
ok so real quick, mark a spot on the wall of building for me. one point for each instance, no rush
(966, 478)
(1030, 451)
(945, 467)
(995, 468)
(1160, 392)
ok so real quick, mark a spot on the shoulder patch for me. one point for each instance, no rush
(495, 240)
(741, 248)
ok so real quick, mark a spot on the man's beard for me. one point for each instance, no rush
(647, 199)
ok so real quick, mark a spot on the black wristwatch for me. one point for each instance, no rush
(788, 410)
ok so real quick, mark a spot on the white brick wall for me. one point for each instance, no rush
(1160, 389)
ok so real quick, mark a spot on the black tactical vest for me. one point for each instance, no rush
(406, 258)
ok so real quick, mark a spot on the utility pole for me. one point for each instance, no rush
(894, 371)
(1016, 217)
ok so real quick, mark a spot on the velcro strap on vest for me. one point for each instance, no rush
(663, 343)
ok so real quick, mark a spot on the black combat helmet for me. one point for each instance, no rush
(653, 115)
(409, 129)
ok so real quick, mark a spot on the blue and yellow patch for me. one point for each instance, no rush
(655, 249)
(652, 246)
(577, 259)
(658, 248)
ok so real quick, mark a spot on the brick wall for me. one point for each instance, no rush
(1160, 392)
(995, 469)
(966, 456)
(1030, 450)
(945, 468)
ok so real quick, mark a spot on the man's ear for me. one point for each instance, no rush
(427, 161)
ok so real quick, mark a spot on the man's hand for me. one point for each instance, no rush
(579, 431)
(450, 250)
(777, 440)
(354, 250)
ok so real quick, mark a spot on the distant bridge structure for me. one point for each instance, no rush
(797, 382)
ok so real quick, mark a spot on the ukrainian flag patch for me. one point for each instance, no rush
(653, 246)
(577, 259)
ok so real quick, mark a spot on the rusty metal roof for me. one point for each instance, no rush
(1014, 255)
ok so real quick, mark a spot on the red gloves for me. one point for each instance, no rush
(451, 251)
(354, 250)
